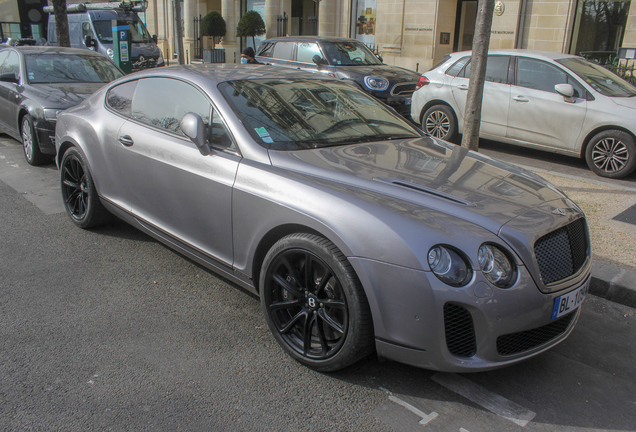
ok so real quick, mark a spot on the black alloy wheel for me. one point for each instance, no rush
(78, 192)
(314, 304)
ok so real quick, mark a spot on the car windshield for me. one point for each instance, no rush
(349, 54)
(601, 80)
(69, 68)
(302, 114)
(138, 32)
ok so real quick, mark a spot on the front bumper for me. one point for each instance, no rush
(45, 133)
(411, 318)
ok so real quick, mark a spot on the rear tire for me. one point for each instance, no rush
(314, 303)
(612, 154)
(440, 122)
(80, 197)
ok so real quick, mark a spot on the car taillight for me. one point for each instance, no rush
(422, 82)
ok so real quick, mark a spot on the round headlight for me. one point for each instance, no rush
(496, 266)
(376, 83)
(448, 266)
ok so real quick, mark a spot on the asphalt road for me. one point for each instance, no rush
(109, 330)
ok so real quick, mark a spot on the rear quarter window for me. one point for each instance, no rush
(119, 98)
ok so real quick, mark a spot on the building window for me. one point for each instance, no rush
(599, 27)
(365, 21)
(11, 30)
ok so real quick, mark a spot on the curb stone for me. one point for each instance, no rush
(613, 283)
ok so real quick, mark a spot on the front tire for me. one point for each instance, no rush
(612, 154)
(78, 192)
(30, 146)
(314, 303)
(440, 122)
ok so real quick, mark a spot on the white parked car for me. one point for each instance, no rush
(549, 101)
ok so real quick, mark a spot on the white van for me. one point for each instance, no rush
(92, 29)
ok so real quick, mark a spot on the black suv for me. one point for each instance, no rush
(347, 59)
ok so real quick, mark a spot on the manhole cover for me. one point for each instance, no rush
(628, 216)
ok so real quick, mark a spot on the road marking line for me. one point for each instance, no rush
(487, 399)
(426, 418)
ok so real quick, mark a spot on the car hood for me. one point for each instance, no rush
(62, 95)
(431, 173)
(628, 102)
(394, 74)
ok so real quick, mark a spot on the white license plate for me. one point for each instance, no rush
(570, 301)
(407, 101)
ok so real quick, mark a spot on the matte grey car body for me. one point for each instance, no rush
(371, 216)
(549, 101)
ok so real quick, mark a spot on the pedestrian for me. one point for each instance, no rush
(247, 56)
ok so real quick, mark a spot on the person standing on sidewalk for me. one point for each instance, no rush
(247, 56)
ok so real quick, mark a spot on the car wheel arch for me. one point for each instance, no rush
(597, 131)
(437, 102)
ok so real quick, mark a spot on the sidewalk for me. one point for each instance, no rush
(613, 241)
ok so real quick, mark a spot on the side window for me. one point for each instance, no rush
(539, 75)
(579, 91)
(307, 51)
(284, 50)
(266, 50)
(496, 69)
(166, 109)
(458, 66)
(74, 34)
(12, 65)
(218, 134)
(120, 97)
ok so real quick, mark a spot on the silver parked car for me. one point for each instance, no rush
(550, 101)
(357, 231)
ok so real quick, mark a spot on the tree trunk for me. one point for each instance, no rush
(178, 31)
(61, 23)
(472, 116)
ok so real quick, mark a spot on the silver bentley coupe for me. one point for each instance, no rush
(359, 232)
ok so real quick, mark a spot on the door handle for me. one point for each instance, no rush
(462, 87)
(126, 140)
(520, 99)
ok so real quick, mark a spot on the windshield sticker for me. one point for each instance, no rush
(31, 75)
(267, 140)
(262, 132)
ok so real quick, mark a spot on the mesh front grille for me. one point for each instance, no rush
(516, 343)
(403, 89)
(460, 333)
(561, 253)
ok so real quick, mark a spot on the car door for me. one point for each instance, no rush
(172, 187)
(538, 114)
(494, 109)
(9, 94)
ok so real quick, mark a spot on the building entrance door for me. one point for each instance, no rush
(465, 25)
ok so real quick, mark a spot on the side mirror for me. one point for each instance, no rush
(154, 39)
(9, 77)
(565, 90)
(89, 41)
(193, 127)
(318, 60)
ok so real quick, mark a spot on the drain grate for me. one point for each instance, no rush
(628, 216)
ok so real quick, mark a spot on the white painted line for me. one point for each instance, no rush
(487, 399)
(426, 418)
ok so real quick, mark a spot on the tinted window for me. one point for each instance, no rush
(349, 53)
(300, 114)
(3, 56)
(12, 65)
(539, 75)
(266, 50)
(306, 52)
(496, 69)
(69, 68)
(165, 109)
(120, 97)
(284, 50)
(218, 134)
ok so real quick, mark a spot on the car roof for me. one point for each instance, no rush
(54, 50)
(545, 55)
(219, 72)
(311, 38)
